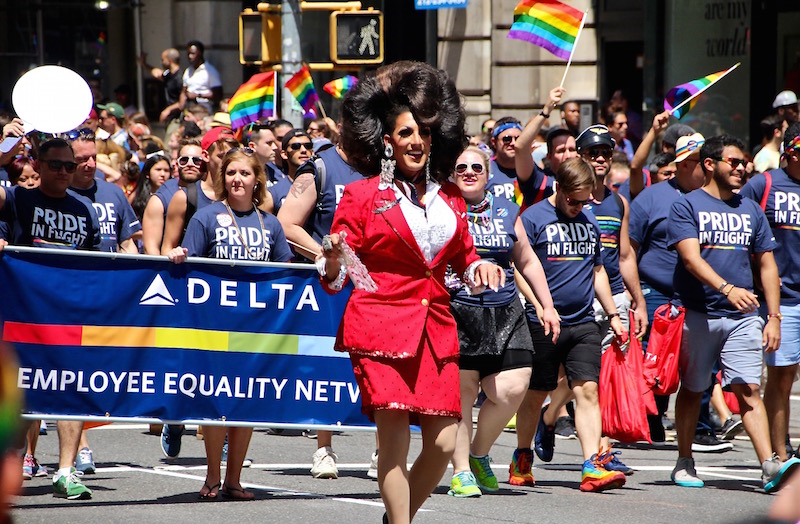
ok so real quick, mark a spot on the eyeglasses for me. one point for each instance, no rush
(574, 203)
(476, 168)
(297, 145)
(735, 163)
(596, 153)
(184, 161)
(56, 165)
(249, 151)
(509, 138)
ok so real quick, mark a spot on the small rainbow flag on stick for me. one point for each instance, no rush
(677, 97)
(549, 24)
(302, 88)
(254, 100)
(337, 88)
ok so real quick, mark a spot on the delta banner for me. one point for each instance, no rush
(138, 337)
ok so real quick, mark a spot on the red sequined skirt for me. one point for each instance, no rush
(422, 384)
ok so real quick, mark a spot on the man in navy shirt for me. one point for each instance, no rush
(778, 193)
(716, 232)
(502, 171)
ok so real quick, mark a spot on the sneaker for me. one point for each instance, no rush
(789, 450)
(481, 467)
(565, 428)
(595, 476)
(28, 467)
(70, 486)
(84, 463)
(774, 472)
(464, 485)
(544, 442)
(43, 428)
(708, 443)
(171, 440)
(730, 429)
(323, 464)
(38, 469)
(372, 472)
(685, 475)
(519, 472)
(667, 423)
(615, 464)
(716, 423)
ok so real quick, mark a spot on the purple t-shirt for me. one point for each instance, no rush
(214, 233)
(118, 222)
(569, 250)
(729, 232)
(783, 215)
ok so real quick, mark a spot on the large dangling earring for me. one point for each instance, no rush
(428, 169)
(387, 166)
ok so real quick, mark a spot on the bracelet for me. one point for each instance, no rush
(779, 316)
(722, 286)
(337, 284)
(542, 113)
(612, 315)
(729, 290)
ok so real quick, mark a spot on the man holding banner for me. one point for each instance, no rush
(50, 216)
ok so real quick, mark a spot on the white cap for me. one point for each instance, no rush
(784, 98)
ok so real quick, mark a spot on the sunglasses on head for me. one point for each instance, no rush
(184, 161)
(573, 202)
(249, 151)
(597, 152)
(476, 168)
(83, 133)
(509, 138)
(56, 165)
(297, 145)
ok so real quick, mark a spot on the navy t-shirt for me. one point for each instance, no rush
(569, 250)
(338, 174)
(494, 237)
(118, 222)
(648, 228)
(166, 191)
(279, 191)
(729, 232)
(609, 217)
(540, 185)
(4, 181)
(38, 220)
(213, 233)
(274, 174)
(783, 215)
(501, 180)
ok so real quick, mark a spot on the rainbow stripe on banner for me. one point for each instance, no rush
(337, 88)
(302, 88)
(547, 23)
(690, 91)
(254, 100)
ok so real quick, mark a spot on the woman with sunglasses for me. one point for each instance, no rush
(406, 225)
(233, 228)
(495, 345)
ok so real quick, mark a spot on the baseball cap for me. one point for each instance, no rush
(113, 109)
(214, 134)
(675, 131)
(687, 145)
(596, 135)
(784, 98)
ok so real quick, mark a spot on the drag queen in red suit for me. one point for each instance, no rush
(405, 125)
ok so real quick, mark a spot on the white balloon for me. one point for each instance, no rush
(52, 99)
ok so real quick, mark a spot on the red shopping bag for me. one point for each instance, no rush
(635, 362)
(622, 393)
(663, 350)
(730, 397)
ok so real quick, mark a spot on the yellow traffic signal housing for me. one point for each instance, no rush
(259, 38)
(356, 37)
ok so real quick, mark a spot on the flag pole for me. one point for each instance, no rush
(574, 47)
(723, 75)
(321, 108)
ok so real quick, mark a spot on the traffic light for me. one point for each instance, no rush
(356, 37)
(259, 38)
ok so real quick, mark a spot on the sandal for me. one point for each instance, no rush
(236, 493)
(210, 494)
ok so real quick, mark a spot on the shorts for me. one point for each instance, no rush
(485, 331)
(789, 352)
(623, 304)
(487, 365)
(577, 348)
(736, 342)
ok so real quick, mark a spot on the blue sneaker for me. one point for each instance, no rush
(171, 440)
(544, 443)
(616, 464)
(775, 473)
(84, 462)
(684, 474)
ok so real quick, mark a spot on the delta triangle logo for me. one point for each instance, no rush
(157, 294)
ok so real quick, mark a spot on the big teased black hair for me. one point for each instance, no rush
(370, 108)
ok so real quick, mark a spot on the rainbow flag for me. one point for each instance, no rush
(337, 88)
(547, 23)
(302, 88)
(680, 94)
(254, 100)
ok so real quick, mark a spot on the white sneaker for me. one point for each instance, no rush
(323, 464)
(372, 472)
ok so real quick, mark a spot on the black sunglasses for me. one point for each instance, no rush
(573, 202)
(508, 138)
(733, 162)
(476, 168)
(56, 165)
(297, 145)
(596, 153)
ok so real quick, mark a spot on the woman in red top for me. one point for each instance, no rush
(406, 226)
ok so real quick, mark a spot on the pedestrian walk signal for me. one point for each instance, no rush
(357, 37)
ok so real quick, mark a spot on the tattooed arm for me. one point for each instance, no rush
(295, 211)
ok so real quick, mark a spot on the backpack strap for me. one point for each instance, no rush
(191, 204)
(767, 187)
(620, 205)
(320, 176)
